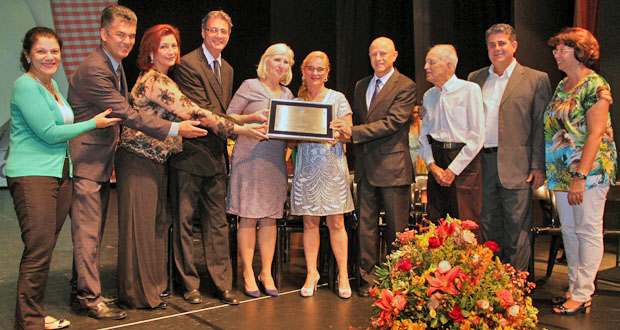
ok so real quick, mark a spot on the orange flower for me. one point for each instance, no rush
(443, 281)
(469, 224)
(445, 228)
(505, 297)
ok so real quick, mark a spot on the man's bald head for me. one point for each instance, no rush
(382, 54)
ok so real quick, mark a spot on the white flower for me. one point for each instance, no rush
(469, 237)
(444, 266)
(475, 259)
(513, 310)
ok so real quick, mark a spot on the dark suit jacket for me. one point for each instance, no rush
(203, 156)
(381, 133)
(521, 144)
(92, 89)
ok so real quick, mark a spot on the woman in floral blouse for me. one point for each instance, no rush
(581, 161)
(141, 169)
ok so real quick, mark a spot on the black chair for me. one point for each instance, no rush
(551, 226)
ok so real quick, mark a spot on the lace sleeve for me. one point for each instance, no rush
(164, 91)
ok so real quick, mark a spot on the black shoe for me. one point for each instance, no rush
(192, 297)
(227, 297)
(162, 305)
(364, 290)
(103, 311)
(165, 294)
(75, 303)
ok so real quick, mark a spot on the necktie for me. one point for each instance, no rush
(118, 78)
(216, 70)
(374, 95)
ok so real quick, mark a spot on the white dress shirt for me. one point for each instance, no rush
(210, 58)
(454, 113)
(373, 82)
(492, 93)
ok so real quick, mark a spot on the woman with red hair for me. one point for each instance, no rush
(141, 169)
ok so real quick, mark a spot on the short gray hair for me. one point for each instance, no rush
(447, 53)
(217, 14)
(119, 12)
(501, 28)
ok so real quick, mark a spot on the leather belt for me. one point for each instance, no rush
(489, 150)
(445, 145)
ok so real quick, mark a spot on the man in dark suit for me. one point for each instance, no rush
(383, 170)
(98, 84)
(198, 174)
(513, 157)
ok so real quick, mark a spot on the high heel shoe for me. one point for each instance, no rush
(309, 292)
(252, 294)
(560, 300)
(583, 308)
(269, 292)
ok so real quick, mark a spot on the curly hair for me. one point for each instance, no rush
(585, 44)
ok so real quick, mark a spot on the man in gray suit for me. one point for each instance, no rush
(98, 84)
(513, 157)
(198, 175)
(383, 170)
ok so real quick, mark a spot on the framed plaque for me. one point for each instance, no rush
(300, 120)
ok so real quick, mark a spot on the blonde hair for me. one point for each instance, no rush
(303, 89)
(276, 49)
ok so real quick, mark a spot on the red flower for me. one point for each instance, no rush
(405, 265)
(443, 282)
(434, 242)
(445, 229)
(373, 291)
(456, 314)
(492, 246)
(505, 297)
(469, 224)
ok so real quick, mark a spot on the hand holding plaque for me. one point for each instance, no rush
(300, 120)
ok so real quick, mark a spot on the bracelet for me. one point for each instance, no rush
(580, 175)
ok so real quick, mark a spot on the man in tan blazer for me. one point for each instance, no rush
(513, 157)
(98, 84)
(383, 169)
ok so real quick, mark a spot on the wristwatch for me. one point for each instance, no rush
(580, 175)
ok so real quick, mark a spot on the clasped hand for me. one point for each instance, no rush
(443, 177)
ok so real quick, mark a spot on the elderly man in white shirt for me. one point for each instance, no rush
(451, 136)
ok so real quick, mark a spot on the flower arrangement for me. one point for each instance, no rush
(441, 278)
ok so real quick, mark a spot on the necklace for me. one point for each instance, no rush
(49, 86)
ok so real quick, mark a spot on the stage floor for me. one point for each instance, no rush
(288, 311)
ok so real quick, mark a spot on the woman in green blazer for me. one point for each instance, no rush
(38, 169)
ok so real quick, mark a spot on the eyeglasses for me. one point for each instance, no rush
(214, 30)
(562, 51)
(312, 69)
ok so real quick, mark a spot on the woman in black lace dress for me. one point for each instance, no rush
(141, 169)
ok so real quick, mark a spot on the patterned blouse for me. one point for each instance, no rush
(156, 94)
(566, 133)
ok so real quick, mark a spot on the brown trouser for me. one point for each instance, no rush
(462, 199)
(42, 204)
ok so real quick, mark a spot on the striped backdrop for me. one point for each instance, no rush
(77, 22)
